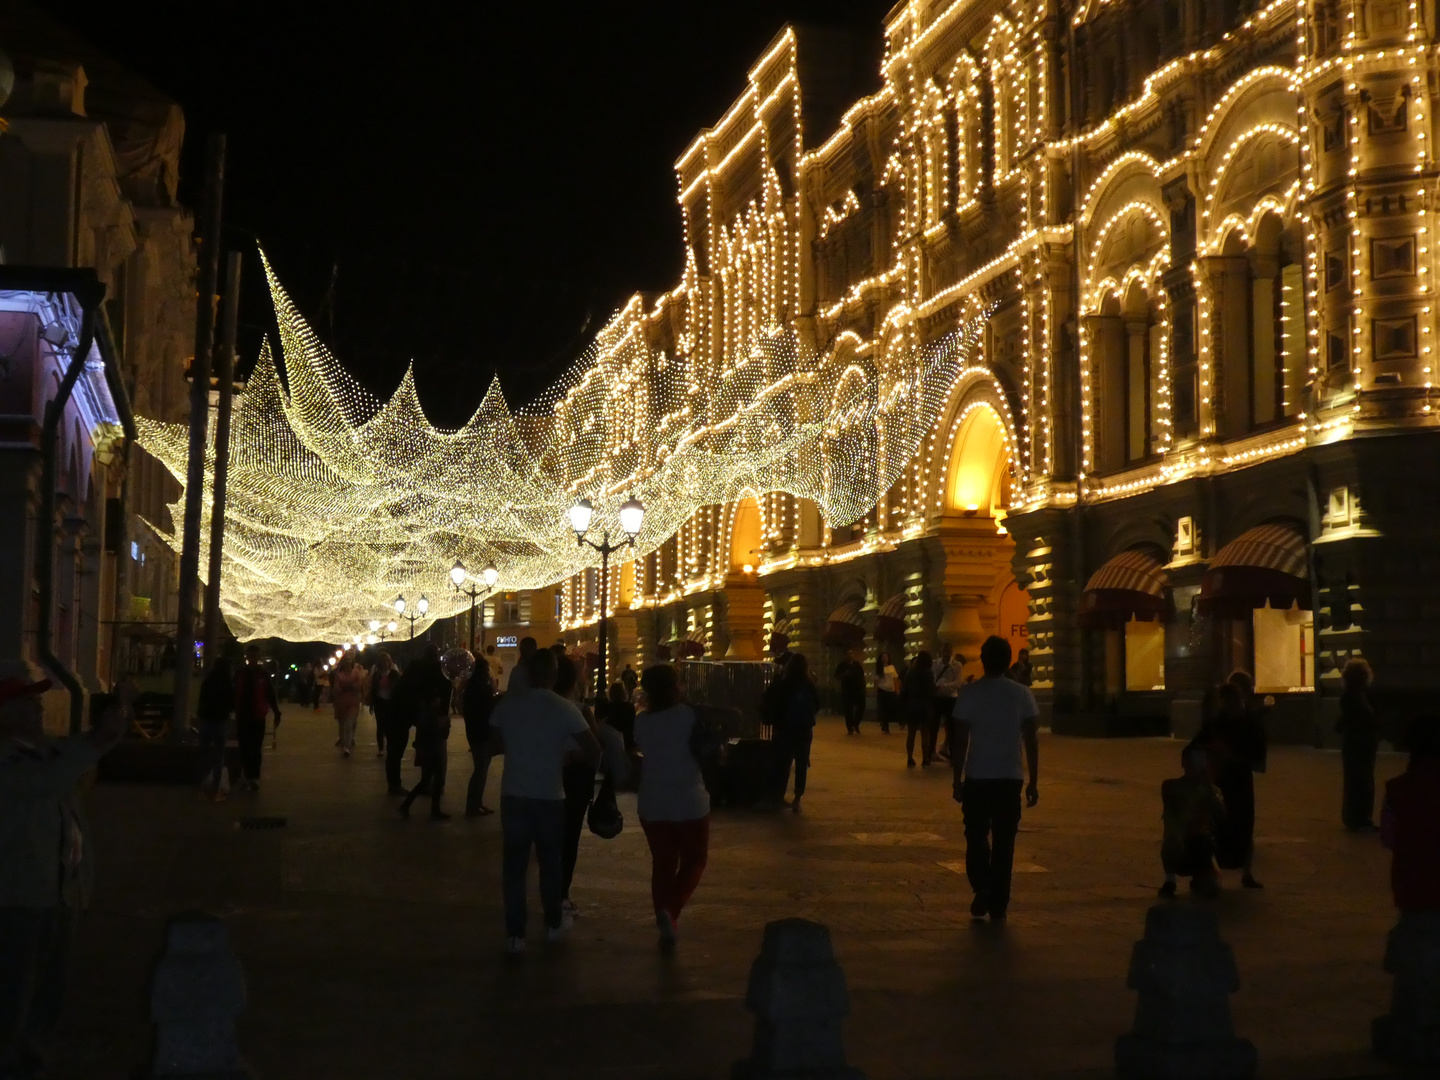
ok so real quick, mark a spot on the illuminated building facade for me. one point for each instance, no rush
(89, 159)
(1198, 435)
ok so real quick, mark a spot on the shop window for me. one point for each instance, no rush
(1284, 650)
(1135, 657)
(1144, 655)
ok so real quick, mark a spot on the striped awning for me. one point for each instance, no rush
(845, 627)
(1129, 586)
(1268, 564)
(692, 645)
(780, 635)
(890, 619)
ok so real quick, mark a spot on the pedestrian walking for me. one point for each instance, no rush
(476, 705)
(254, 701)
(674, 806)
(1235, 743)
(995, 719)
(917, 703)
(537, 728)
(1410, 821)
(45, 866)
(629, 680)
(392, 718)
(425, 695)
(619, 713)
(887, 692)
(794, 731)
(850, 675)
(1359, 742)
(345, 696)
(213, 709)
(380, 692)
(1192, 807)
(948, 679)
(577, 777)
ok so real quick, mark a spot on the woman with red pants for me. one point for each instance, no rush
(674, 805)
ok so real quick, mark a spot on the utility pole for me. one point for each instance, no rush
(199, 428)
(225, 380)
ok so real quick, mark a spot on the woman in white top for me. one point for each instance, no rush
(887, 691)
(674, 806)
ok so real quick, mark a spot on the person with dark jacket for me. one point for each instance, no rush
(1236, 745)
(619, 713)
(476, 706)
(850, 676)
(254, 700)
(213, 709)
(425, 695)
(794, 729)
(1359, 742)
(917, 705)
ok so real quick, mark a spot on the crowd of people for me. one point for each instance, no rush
(564, 757)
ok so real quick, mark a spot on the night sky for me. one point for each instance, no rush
(486, 182)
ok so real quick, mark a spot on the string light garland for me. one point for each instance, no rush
(336, 501)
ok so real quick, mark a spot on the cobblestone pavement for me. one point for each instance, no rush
(372, 945)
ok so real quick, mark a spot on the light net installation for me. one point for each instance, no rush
(337, 503)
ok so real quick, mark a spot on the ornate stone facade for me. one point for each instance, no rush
(89, 160)
(1200, 231)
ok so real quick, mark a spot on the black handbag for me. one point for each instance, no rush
(604, 817)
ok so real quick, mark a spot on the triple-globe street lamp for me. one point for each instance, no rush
(421, 607)
(632, 517)
(459, 575)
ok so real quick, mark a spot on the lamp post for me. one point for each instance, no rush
(632, 517)
(421, 607)
(459, 575)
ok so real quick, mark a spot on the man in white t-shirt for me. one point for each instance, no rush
(537, 729)
(994, 718)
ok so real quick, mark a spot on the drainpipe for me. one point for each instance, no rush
(89, 294)
(115, 380)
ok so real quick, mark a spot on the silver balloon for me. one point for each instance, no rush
(457, 663)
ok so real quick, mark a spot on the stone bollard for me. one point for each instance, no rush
(797, 993)
(1411, 1031)
(1184, 975)
(198, 991)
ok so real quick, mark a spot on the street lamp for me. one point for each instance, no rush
(459, 575)
(632, 517)
(421, 607)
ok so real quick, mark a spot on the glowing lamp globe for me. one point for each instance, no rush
(490, 575)
(400, 604)
(371, 639)
(632, 516)
(391, 627)
(374, 626)
(580, 516)
(457, 573)
(423, 605)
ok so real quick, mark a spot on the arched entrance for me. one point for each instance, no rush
(744, 598)
(979, 592)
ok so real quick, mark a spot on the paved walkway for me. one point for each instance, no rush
(372, 945)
